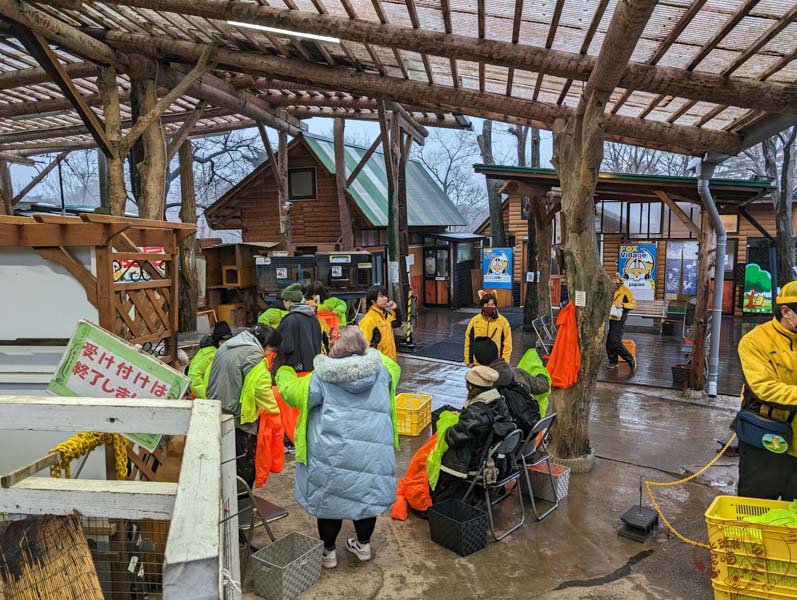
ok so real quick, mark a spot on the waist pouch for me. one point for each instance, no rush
(763, 432)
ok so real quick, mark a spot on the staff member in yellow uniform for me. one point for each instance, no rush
(378, 322)
(490, 324)
(622, 303)
(768, 461)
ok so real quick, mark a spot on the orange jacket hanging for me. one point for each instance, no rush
(270, 453)
(565, 360)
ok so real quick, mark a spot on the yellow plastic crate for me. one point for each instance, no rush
(414, 412)
(738, 592)
(750, 560)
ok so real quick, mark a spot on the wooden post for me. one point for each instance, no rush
(577, 157)
(403, 220)
(116, 191)
(705, 256)
(152, 167)
(102, 175)
(282, 192)
(543, 230)
(390, 145)
(189, 295)
(6, 188)
(346, 229)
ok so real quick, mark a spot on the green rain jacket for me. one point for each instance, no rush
(272, 316)
(532, 364)
(337, 306)
(435, 459)
(199, 370)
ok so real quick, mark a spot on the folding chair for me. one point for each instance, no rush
(250, 509)
(542, 335)
(550, 326)
(534, 452)
(507, 447)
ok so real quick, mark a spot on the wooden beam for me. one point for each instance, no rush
(63, 257)
(91, 498)
(116, 191)
(569, 65)
(184, 132)
(38, 47)
(690, 140)
(21, 473)
(165, 102)
(418, 132)
(109, 415)
(678, 212)
(272, 160)
(364, 161)
(37, 107)
(346, 227)
(42, 174)
(36, 75)
(193, 549)
(16, 158)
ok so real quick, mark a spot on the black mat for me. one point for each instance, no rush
(452, 349)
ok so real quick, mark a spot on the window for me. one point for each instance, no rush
(464, 252)
(730, 222)
(644, 219)
(373, 237)
(301, 184)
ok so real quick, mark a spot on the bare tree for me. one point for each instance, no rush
(80, 177)
(449, 156)
(497, 228)
(775, 159)
(620, 158)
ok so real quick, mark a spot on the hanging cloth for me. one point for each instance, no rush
(565, 360)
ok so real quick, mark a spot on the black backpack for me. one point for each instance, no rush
(523, 407)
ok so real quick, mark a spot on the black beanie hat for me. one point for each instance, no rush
(484, 350)
(221, 331)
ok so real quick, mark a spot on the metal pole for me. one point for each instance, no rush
(704, 171)
(61, 187)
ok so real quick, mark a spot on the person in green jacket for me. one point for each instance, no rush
(328, 303)
(273, 315)
(200, 365)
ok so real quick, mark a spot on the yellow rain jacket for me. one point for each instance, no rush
(497, 329)
(377, 327)
(769, 362)
(623, 295)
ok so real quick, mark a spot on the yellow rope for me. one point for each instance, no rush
(81, 444)
(649, 484)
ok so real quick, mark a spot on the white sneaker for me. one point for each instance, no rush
(329, 560)
(361, 551)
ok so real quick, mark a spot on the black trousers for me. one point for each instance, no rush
(245, 447)
(764, 474)
(328, 530)
(614, 341)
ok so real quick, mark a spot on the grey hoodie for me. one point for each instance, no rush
(232, 362)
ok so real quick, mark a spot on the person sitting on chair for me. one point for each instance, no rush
(517, 386)
(483, 422)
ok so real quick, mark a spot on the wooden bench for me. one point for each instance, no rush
(651, 309)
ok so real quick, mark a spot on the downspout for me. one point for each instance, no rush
(704, 171)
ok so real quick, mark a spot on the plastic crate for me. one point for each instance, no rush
(287, 567)
(751, 558)
(541, 482)
(738, 592)
(414, 413)
(457, 526)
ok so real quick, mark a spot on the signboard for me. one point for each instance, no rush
(497, 268)
(637, 266)
(337, 271)
(757, 289)
(100, 365)
(340, 258)
(282, 272)
(131, 270)
(681, 269)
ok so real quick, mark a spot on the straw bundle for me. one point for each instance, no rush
(47, 557)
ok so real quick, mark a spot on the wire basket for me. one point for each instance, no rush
(414, 413)
(287, 567)
(752, 560)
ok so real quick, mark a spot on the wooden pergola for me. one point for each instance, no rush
(707, 79)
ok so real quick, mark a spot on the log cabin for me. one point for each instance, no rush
(251, 206)
(629, 211)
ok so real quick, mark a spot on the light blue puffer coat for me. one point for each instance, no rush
(350, 454)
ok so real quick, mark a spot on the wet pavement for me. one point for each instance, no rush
(575, 552)
(440, 334)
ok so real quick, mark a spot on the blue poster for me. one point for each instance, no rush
(637, 266)
(497, 268)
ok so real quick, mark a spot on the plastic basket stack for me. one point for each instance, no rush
(750, 561)
(414, 413)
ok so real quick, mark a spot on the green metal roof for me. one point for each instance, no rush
(427, 204)
(512, 170)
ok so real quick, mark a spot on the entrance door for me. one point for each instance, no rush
(435, 277)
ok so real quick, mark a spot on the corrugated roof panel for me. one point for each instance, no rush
(427, 204)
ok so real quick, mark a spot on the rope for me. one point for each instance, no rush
(81, 444)
(650, 484)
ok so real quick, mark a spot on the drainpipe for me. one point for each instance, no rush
(704, 171)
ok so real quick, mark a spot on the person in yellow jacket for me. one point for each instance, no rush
(623, 302)
(199, 369)
(379, 320)
(488, 323)
(768, 355)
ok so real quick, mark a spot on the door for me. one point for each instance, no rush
(435, 277)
